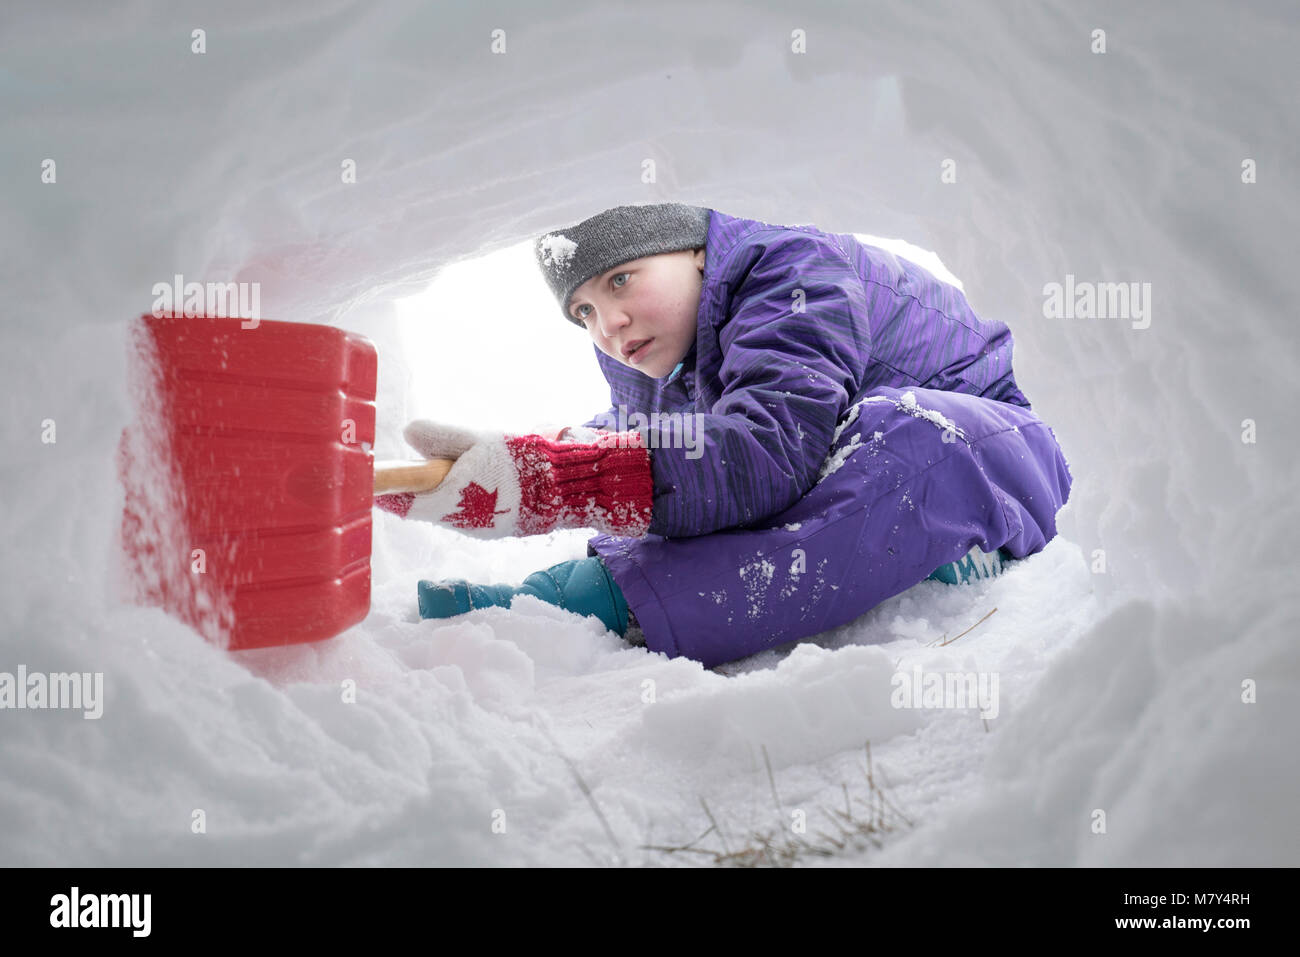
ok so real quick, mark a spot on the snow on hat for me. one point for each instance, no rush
(569, 257)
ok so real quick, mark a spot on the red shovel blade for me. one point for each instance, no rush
(249, 477)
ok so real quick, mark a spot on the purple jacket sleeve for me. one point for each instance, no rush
(603, 420)
(795, 327)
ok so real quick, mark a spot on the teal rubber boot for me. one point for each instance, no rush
(581, 585)
(974, 566)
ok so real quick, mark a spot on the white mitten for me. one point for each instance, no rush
(502, 484)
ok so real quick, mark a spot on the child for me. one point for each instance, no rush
(845, 427)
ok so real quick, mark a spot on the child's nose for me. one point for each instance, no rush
(614, 320)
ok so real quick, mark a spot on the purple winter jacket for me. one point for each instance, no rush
(845, 425)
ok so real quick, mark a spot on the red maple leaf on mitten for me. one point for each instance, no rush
(476, 508)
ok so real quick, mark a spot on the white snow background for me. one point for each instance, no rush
(1121, 691)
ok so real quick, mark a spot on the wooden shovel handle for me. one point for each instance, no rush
(410, 476)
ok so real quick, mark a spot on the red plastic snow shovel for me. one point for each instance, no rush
(249, 476)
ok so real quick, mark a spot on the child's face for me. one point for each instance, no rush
(655, 298)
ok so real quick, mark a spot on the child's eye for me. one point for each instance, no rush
(578, 309)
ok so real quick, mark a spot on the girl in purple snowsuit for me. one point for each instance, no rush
(801, 426)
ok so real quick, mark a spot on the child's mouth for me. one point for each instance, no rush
(638, 353)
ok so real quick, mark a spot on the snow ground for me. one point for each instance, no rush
(1119, 691)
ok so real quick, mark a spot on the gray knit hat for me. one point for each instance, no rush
(569, 257)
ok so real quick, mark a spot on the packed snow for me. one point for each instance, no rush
(1145, 660)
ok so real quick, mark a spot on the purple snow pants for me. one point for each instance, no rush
(922, 476)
